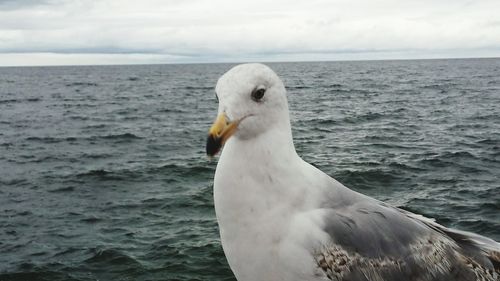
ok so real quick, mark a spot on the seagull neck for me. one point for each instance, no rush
(274, 144)
(278, 141)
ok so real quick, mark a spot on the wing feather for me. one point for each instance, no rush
(373, 241)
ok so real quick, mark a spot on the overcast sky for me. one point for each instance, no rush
(53, 32)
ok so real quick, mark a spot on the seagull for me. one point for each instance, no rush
(282, 219)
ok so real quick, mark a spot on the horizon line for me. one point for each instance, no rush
(254, 61)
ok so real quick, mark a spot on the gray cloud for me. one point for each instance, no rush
(23, 4)
(221, 30)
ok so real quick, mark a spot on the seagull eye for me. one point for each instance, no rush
(258, 94)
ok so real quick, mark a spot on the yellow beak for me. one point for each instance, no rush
(219, 133)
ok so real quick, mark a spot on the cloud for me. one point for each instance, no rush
(18, 4)
(222, 30)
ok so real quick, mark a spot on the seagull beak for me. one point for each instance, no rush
(219, 133)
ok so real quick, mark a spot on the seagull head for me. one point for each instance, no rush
(252, 100)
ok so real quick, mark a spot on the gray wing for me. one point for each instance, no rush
(373, 241)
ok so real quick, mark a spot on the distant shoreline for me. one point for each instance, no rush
(242, 61)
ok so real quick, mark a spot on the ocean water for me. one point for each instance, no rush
(103, 174)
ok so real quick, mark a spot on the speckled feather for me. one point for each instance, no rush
(373, 241)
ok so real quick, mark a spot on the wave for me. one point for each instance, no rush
(354, 119)
(13, 181)
(121, 175)
(26, 100)
(367, 179)
(207, 88)
(79, 84)
(96, 155)
(489, 141)
(91, 220)
(50, 140)
(183, 168)
(172, 110)
(38, 275)
(94, 173)
(111, 256)
(444, 159)
(124, 136)
(298, 87)
(63, 189)
(360, 118)
(335, 85)
(324, 121)
(438, 86)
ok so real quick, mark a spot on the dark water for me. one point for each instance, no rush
(103, 174)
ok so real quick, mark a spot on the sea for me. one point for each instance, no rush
(103, 172)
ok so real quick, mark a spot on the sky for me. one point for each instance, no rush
(64, 32)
